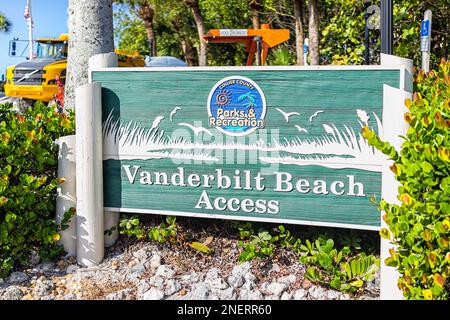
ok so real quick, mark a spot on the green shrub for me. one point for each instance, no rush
(420, 225)
(28, 182)
(132, 226)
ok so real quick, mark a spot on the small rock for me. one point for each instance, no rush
(142, 287)
(306, 284)
(288, 280)
(155, 261)
(272, 297)
(47, 297)
(333, 295)
(133, 262)
(62, 264)
(192, 277)
(119, 295)
(275, 288)
(249, 285)
(43, 287)
(275, 268)
(199, 292)
(18, 277)
(12, 293)
(172, 286)
(242, 268)
(250, 295)
(70, 296)
(235, 281)
(165, 271)
(156, 281)
(154, 294)
(300, 294)
(227, 294)
(115, 265)
(141, 254)
(249, 277)
(136, 272)
(47, 266)
(72, 268)
(344, 297)
(317, 293)
(286, 296)
(182, 292)
(212, 274)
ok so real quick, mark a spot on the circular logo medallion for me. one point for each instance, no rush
(236, 106)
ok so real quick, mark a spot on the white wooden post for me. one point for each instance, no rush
(111, 219)
(66, 192)
(89, 169)
(393, 126)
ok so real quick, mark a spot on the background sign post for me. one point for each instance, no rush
(425, 40)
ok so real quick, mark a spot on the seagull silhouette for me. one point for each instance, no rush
(300, 129)
(156, 122)
(174, 112)
(286, 115)
(315, 115)
(196, 130)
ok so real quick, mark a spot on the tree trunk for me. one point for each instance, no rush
(193, 4)
(146, 13)
(299, 38)
(91, 32)
(313, 30)
(190, 56)
(255, 7)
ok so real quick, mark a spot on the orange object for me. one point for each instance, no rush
(270, 39)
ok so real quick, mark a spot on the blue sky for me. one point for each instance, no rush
(50, 20)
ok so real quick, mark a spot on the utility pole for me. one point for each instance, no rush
(386, 27)
(425, 40)
(29, 18)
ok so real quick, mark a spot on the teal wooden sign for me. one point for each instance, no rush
(257, 144)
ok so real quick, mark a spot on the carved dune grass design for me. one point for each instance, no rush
(337, 149)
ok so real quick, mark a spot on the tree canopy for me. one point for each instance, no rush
(340, 23)
(5, 24)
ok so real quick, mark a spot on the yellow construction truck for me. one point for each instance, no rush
(35, 79)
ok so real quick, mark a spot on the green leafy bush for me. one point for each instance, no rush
(420, 225)
(28, 182)
(165, 232)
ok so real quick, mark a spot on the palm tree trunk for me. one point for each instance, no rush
(313, 30)
(193, 4)
(299, 37)
(146, 13)
(91, 33)
(255, 7)
(189, 52)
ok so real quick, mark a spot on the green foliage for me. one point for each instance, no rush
(340, 269)
(336, 268)
(260, 245)
(164, 233)
(131, 226)
(342, 33)
(5, 24)
(282, 57)
(342, 26)
(28, 182)
(420, 224)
